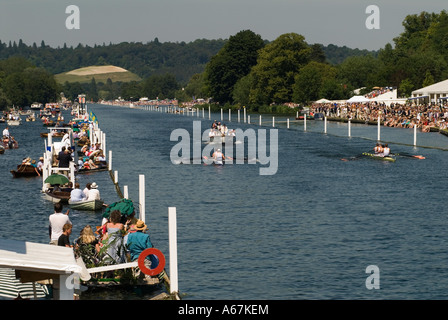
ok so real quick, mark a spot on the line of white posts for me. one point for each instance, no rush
(246, 118)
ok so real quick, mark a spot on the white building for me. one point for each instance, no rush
(435, 93)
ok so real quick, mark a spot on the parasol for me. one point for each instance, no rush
(57, 179)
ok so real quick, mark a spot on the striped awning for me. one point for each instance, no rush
(11, 287)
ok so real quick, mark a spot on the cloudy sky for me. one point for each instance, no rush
(340, 22)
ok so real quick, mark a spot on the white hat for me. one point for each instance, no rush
(94, 185)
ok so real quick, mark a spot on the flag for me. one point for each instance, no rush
(92, 117)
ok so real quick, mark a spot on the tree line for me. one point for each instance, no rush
(244, 70)
(249, 72)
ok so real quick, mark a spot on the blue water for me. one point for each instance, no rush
(307, 232)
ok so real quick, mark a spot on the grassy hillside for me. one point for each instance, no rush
(100, 73)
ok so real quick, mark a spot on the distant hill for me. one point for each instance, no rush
(100, 73)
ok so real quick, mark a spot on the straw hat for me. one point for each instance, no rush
(140, 226)
(94, 185)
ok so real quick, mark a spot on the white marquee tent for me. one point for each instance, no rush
(432, 93)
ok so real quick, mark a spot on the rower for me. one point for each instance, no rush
(378, 149)
(218, 157)
(386, 150)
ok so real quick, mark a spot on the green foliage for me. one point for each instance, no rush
(310, 79)
(278, 64)
(232, 62)
(21, 83)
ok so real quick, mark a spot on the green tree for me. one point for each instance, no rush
(232, 62)
(278, 64)
(309, 81)
(405, 88)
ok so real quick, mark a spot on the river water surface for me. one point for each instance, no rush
(307, 232)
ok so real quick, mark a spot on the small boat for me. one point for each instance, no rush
(14, 122)
(25, 170)
(57, 196)
(302, 117)
(90, 205)
(101, 167)
(10, 144)
(2, 150)
(36, 105)
(377, 157)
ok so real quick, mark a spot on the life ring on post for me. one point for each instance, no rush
(156, 270)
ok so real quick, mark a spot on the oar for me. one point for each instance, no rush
(409, 156)
(353, 158)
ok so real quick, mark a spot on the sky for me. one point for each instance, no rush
(339, 22)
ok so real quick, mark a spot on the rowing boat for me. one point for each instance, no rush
(91, 205)
(377, 157)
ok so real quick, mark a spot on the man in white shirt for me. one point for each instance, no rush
(6, 132)
(94, 193)
(57, 221)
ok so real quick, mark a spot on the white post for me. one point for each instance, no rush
(415, 135)
(325, 124)
(141, 194)
(273, 122)
(203, 113)
(125, 192)
(209, 116)
(349, 128)
(238, 115)
(221, 115)
(115, 176)
(172, 226)
(379, 129)
(110, 160)
(244, 109)
(304, 122)
(287, 123)
(248, 118)
(230, 115)
(260, 121)
(297, 114)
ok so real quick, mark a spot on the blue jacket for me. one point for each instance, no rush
(136, 242)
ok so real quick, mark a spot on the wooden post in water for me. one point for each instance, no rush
(142, 197)
(172, 232)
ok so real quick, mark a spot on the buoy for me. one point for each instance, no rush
(156, 270)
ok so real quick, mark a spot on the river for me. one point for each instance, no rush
(309, 231)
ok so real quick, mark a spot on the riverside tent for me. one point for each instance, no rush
(356, 99)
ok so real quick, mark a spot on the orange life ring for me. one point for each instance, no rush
(156, 270)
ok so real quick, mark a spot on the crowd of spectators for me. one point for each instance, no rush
(424, 116)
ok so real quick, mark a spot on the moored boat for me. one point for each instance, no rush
(57, 196)
(378, 157)
(25, 170)
(90, 205)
